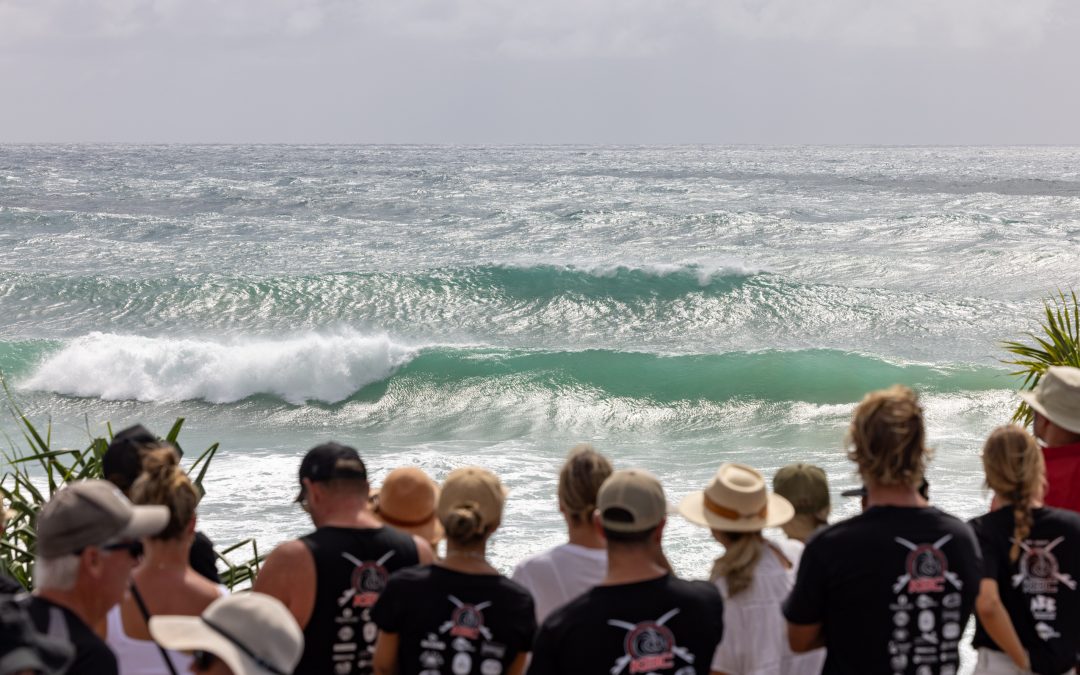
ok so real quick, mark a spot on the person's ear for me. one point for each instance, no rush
(597, 525)
(659, 534)
(92, 561)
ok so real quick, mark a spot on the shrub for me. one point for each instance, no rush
(1058, 345)
(25, 491)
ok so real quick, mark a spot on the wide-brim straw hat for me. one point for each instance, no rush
(407, 500)
(736, 500)
(1057, 397)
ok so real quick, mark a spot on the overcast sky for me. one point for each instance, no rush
(541, 71)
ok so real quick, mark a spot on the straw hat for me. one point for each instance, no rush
(407, 501)
(736, 500)
(1057, 397)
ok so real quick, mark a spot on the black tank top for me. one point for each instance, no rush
(351, 568)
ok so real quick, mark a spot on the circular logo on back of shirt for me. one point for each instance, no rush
(368, 580)
(649, 639)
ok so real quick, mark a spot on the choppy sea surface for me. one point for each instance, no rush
(676, 306)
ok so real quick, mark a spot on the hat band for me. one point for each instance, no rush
(402, 522)
(732, 514)
(261, 662)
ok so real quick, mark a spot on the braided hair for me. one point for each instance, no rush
(1016, 471)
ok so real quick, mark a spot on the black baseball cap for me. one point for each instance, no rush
(329, 461)
(121, 463)
(924, 490)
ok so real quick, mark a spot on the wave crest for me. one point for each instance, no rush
(308, 367)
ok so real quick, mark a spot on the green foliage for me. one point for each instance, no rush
(1058, 345)
(33, 475)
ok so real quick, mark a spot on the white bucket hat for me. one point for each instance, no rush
(253, 633)
(736, 500)
(1057, 397)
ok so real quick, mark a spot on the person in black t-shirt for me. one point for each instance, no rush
(122, 465)
(1028, 607)
(331, 578)
(458, 616)
(87, 545)
(888, 591)
(640, 619)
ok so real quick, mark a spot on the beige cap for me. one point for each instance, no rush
(254, 634)
(638, 493)
(93, 513)
(736, 500)
(407, 501)
(476, 486)
(1057, 397)
(805, 486)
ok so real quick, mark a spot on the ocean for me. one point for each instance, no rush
(677, 307)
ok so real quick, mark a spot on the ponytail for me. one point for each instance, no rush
(740, 558)
(164, 483)
(464, 525)
(1015, 469)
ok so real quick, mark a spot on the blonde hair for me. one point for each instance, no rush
(1015, 469)
(741, 555)
(888, 438)
(464, 525)
(580, 479)
(162, 482)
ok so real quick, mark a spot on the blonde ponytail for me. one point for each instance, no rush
(1015, 469)
(741, 556)
(164, 483)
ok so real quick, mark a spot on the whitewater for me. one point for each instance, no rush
(675, 306)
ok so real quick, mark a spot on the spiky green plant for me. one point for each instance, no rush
(1057, 345)
(34, 473)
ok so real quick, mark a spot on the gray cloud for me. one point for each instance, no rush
(889, 71)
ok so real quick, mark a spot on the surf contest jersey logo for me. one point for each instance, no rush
(926, 568)
(649, 647)
(368, 581)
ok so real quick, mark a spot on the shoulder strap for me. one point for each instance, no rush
(146, 617)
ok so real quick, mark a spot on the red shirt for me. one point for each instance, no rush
(1063, 474)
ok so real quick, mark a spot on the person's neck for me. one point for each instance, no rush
(631, 566)
(171, 556)
(352, 513)
(893, 495)
(80, 604)
(471, 559)
(585, 535)
(1055, 437)
(1001, 500)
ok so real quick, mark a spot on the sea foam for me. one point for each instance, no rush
(305, 367)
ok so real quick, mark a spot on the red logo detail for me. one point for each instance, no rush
(368, 580)
(468, 622)
(927, 567)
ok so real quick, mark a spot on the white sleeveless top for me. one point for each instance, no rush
(142, 657)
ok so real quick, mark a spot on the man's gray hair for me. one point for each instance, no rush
(59, 574)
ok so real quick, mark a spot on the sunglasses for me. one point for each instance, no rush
(134, 548)
(202, 660)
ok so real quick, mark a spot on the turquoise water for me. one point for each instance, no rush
(677, 307)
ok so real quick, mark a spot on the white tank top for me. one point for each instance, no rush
(142, 657)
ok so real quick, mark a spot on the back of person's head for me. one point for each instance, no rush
(1015, 469)
(888, 438)
(122, 462)
(470, 505)
(631, 506)
(807, 488)
(164, 483)
(584, 471)
(338, 468)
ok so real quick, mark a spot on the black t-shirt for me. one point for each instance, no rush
(892, 587)
(663, 625)
(352, 566)
(454, 623)
(202, 557)
(92, 655)
(1039, 590)
(9, 586)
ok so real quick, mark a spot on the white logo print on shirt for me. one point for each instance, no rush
(926, 568)
(650, 646)
(1039, 571)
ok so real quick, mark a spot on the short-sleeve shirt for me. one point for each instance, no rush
(663, 626)
(92, 655)
(892, 587)
(557, 576)
(1039, 590)
(1063, 476)
(455, 623)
